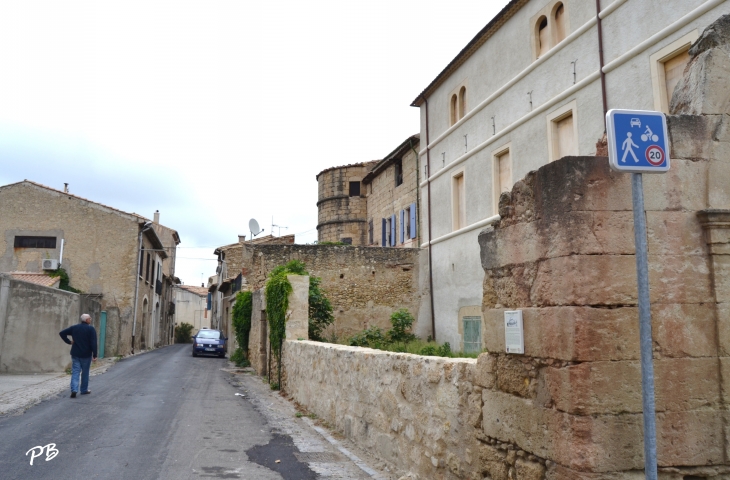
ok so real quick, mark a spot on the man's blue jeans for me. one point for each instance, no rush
(80, 366)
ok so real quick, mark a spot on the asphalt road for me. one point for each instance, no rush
(163, 414)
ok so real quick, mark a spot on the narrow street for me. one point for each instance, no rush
(162, 415)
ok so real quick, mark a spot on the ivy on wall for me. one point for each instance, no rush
(64, 284)
(278, 289)
(241, 317)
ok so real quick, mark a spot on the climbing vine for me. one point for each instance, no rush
(241, 316)
(64, 283)
(278, 289)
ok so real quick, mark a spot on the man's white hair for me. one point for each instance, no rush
(85, 317)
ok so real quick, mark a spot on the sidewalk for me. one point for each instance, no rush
(328, 457)
(19, 392)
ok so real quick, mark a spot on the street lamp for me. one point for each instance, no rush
(145, 227)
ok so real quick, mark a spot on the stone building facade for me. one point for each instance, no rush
(342, 207)
(391, 189)
(190, 306)
(101, 255)
(532, 87)
(373, 203)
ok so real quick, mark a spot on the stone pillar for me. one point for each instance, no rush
(297, 316)
(716, 224)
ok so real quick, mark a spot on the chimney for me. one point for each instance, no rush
(241, 238)
(65, 188)
(157, 216)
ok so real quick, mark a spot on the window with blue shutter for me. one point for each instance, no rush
(413, 220)
(209, 301)
(384, 232)
(392, 231)
(402, 226)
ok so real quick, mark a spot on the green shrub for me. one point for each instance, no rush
(320, 310)
(402, 321)
(64, 283)
(239, 358)
(372, 337)
(183, 333)
(241, 319)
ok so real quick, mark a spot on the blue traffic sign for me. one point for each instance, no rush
(637, 141)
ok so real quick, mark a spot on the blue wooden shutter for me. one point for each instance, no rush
(384, 232)
(413, 220)
(402, 226)
(392, 230)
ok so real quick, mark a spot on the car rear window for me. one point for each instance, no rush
(209, 334)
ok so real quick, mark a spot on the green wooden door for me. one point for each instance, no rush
(472, 334)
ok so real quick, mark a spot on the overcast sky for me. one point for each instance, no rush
(215, 112)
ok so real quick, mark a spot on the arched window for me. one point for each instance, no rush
(454, 113)
(543, 44)
(559, 23)
(462, 102)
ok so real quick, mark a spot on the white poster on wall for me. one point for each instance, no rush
(514, 338)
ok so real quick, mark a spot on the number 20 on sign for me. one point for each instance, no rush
(638, 141)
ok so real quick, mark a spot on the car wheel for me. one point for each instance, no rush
(221, 355)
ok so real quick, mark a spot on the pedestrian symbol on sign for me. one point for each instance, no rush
(628, 148)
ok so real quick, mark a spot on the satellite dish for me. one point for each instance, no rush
(253, 225)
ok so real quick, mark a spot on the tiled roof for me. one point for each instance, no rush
(37, 278)
(202, 291)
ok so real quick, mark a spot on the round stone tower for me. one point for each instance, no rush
(342, 204)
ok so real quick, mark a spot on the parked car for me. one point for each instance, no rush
(209, 342)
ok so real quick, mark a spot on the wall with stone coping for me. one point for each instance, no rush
(365, 284)
(421, 414)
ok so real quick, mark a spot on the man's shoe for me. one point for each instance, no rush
(86, 392)
(73, 394)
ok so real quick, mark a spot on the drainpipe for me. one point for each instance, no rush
(600, 61)
(145, 227)
(430, 261)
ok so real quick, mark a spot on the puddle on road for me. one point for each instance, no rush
(281, 447)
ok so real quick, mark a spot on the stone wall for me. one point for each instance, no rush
(365, 285)
(563, 253)
(341, 216)
(418, 413)
(384, 198)
(30, 318)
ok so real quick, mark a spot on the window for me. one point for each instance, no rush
(458, 201)
(543, 44)
(502, 174)
(147, 269)
(371, 232)
(384, 233)
(472, 334)
(667, 69)
(457, 107)
(559, 23)
(141, 261)
(403, 225)
(453, 109)
(398, 172)
(346, 240)
(34, 242)
(563, 132)
(462, 102)
(354, 189)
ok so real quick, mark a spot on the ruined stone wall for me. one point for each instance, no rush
(384, 199)
(365, 285)
(341, 216)
(420, 414)
(563, 253)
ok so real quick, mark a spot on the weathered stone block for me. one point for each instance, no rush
(527, 470)
(594, 334)
(688, 135)
(615, 387)
(484, 373)
(718, 179)
(513, 376)
(690, 438)
(703, 89)
(670, 233)
(683, 187)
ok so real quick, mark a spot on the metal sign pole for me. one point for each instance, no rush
(647, 364)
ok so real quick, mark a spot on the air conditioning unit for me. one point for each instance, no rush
(50, 264)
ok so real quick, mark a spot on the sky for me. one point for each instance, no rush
(215, 112)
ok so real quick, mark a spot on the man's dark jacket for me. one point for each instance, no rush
(84, 336)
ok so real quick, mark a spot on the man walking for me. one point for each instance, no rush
(83, 351)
